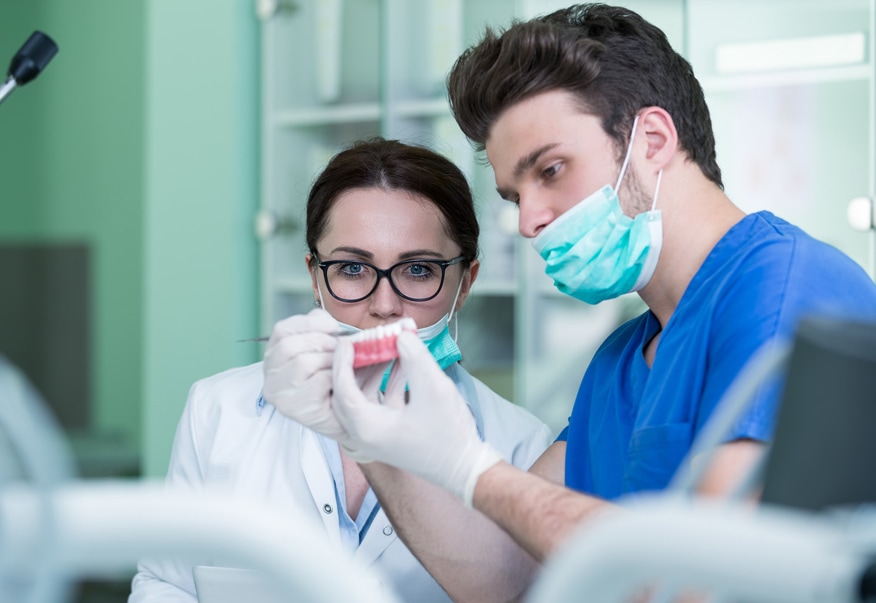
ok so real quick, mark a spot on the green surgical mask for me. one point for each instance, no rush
(437, 338)
(593, 252)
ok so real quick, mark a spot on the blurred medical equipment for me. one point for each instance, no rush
(812, 538)
(764, 555)
(823, 451)
(57, 529)
(28, 62)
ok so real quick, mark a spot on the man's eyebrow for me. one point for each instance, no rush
(523, 165)
(528, 161)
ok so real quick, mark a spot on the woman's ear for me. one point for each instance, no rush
(662, 138)
(313, 269)
(468, 279)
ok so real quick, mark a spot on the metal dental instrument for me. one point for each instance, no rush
(336, 334)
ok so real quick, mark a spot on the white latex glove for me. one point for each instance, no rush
(433, 436)
(298, 370)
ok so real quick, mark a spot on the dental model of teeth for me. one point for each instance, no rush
(378, 344)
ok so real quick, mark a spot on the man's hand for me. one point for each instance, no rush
(430, 432)
(298, 370)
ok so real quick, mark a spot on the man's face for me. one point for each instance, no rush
(547, 156)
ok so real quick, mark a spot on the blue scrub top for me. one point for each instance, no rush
(632, 425)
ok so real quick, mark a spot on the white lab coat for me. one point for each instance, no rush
(224, 440)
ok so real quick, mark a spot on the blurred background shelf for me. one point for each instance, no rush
(793, 137)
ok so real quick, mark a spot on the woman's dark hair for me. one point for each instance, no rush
(610, 58)
(395, 166)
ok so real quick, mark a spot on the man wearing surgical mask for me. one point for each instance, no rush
(602, 138)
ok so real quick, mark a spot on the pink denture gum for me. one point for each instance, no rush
(378, 344)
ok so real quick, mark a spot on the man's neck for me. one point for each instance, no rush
(693, 223)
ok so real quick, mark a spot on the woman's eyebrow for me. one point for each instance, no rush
(407, 255)
(353, 251)
(419, 253)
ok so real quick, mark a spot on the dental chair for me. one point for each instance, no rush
(55, 529)
(812, 538)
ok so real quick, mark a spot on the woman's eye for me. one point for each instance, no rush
(419, 270)
(351, 269)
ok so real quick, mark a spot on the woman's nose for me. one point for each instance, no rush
(385, 302)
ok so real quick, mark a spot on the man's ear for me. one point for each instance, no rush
(662, 138)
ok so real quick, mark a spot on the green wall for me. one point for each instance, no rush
(71, 156)
(200, 270)
(141, 140)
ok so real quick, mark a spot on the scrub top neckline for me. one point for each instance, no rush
(739, 230)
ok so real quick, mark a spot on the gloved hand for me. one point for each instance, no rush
(433, 435)
(298, 370)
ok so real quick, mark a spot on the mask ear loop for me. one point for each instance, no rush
(319, 303)
(657, 190)
(626, 162)
(453, 312)
(343, 326)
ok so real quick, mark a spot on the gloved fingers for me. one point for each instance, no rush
(344, 385)
(302, 334)
(394, 396)
(316, 347)
(418, 366)
(290, 379)
(295, 373)
(293, 358)
(292, 397)
(318, 387)
(370, 378)
(350, 405)
(317, 320)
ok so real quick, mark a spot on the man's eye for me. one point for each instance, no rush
(550, 171)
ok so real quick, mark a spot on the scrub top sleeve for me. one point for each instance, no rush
(563, 435)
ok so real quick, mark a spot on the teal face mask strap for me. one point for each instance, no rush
(453, 312)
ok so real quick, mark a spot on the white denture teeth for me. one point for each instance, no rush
(378, 344)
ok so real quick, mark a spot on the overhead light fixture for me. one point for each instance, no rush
(792, 53)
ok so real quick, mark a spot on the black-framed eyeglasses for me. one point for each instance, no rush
(415, 280)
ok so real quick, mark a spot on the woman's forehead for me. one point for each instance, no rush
(385, 221)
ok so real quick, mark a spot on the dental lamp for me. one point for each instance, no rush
(28, 62)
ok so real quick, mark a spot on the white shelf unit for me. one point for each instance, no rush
(338, 70)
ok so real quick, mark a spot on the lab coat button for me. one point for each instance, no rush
(387, 530)
(327, 508)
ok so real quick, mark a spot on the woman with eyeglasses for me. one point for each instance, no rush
(391, 233)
